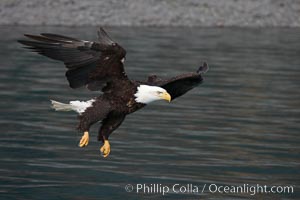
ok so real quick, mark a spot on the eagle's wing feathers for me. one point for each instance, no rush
(74, 53)
(89, 63)
(179, 85)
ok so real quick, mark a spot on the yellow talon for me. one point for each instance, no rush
(105, 149)
(84, 139)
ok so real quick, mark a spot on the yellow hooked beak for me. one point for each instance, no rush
(166, 96)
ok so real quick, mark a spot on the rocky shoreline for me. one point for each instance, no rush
(208, 13)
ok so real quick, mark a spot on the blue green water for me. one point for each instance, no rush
(241, 126)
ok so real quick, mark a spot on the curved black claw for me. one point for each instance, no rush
(203, 69)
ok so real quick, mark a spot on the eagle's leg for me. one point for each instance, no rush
(109, 124)
(84, 139)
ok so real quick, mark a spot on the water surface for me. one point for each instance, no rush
(241, 126)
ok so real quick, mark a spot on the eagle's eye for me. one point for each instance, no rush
(159, 93)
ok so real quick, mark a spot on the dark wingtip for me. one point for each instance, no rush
(101, 29)
(103, 37)
(203, 69)
(23, 42)
(27, 35)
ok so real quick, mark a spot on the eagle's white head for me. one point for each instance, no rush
(146, 94)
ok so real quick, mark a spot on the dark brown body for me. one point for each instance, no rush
(111, 108)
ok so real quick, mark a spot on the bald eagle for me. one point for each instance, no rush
(99, 67)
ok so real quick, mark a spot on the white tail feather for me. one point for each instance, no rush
(58, 106)
(77, 106)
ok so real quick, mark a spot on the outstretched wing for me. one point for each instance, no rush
(91, 64)
(179, 85)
